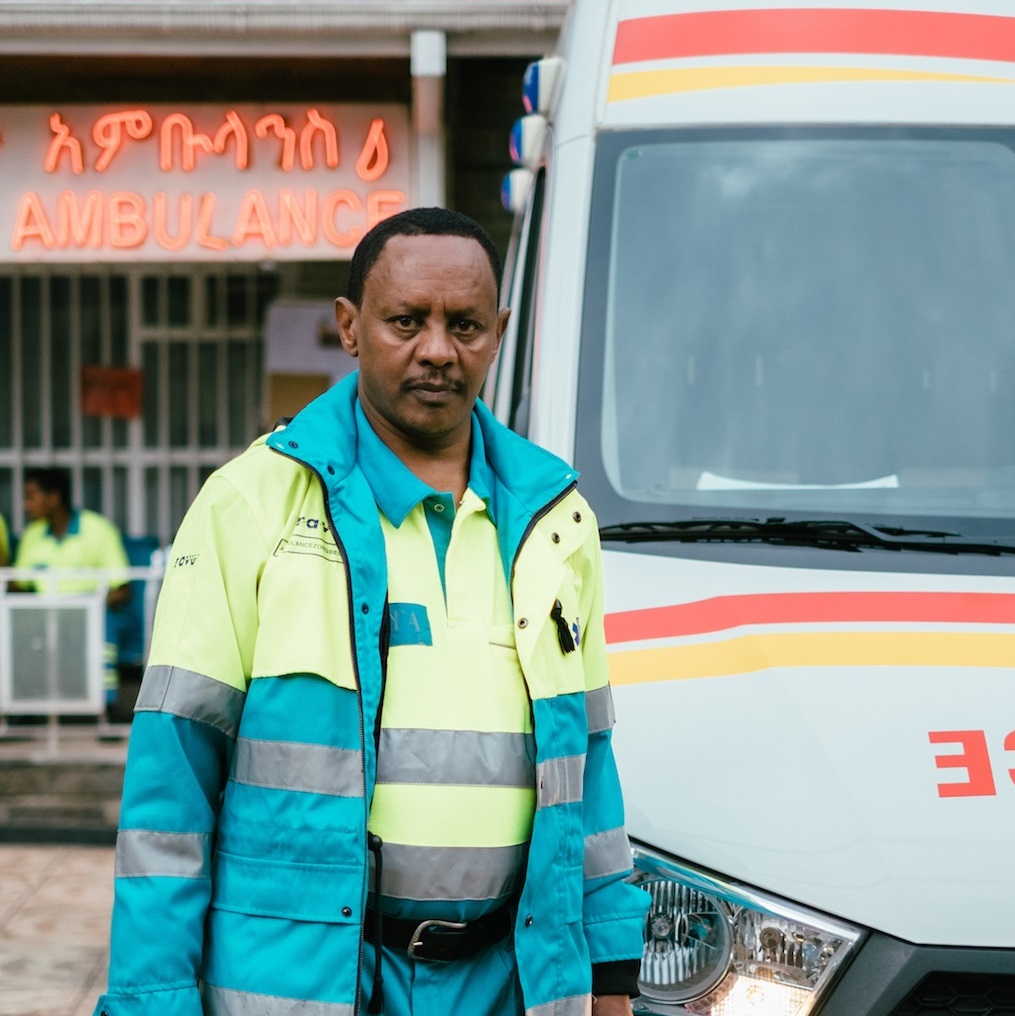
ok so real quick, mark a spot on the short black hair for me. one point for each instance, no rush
(51, 480)
(415, 222)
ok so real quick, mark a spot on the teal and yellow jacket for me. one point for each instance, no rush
(242, 863)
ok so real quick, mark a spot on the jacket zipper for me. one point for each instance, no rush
(362, 736)
(359, 702)
(564, 636)
(545, 510)
(549, 506)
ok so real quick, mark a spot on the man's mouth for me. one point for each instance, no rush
(434, 388)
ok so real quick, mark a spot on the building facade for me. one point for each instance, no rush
(182, 187)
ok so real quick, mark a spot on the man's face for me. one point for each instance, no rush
(426, 332)
(38, 503)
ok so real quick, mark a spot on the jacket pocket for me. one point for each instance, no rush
(328, 893)
(302, 601)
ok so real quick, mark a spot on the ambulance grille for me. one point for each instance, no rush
(949, 994)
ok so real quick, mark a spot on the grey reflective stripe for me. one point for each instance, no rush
(297, 765)
(450, 873)
(576, 1005)
(607, 853)
(226, 1002)
(599, 709)
(191, 696)
(456, 758)
(143, 853)
(560, 780)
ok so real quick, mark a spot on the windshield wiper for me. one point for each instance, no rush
(831, 534)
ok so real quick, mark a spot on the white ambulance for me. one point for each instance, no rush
(763, 281)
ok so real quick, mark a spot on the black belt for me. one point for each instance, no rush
(443, 940)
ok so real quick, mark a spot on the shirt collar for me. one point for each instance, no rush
(395, 487)
(73, 526)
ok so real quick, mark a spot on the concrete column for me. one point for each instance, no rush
(428, 64)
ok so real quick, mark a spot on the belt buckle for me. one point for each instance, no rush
(422, 928)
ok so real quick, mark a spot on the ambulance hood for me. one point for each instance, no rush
(843, 739)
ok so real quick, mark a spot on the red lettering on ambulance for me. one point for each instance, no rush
(974, 759)
(1009, 745)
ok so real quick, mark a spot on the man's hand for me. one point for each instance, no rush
(611, 1005)
(118, 596)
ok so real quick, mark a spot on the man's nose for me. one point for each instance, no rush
(436, 344)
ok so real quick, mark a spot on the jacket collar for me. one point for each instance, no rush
(526, 478)
(397, 489)
(322, 436)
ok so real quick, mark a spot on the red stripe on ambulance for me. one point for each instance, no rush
(807, 30)
(724, 612)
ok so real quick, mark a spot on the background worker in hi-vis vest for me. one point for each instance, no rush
(370, 768)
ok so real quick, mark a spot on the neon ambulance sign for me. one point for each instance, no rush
(165, 183)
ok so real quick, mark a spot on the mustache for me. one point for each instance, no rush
(435, 381)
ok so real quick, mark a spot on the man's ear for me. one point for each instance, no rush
(346, 315)
(502, 319)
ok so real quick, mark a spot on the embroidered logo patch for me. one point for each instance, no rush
(410, 625)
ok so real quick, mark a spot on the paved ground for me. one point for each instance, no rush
(54, 928)
(55, 899)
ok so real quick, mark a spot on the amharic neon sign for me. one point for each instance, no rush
(166, 183)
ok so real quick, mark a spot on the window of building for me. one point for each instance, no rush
(196, 335)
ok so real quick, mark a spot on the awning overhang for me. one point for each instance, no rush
(276, 27)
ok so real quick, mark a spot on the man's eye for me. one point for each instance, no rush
(404, 321)
(465, 327)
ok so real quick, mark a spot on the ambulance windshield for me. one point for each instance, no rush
(815, 320)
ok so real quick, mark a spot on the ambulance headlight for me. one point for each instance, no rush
(717, 948)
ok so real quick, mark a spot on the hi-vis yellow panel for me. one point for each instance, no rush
(440, 816)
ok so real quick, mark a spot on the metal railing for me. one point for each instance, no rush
(54, 645)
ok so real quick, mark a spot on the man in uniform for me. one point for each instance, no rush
(59, 536)
(370, 768)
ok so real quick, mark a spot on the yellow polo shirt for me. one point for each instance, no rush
(455, 794)
(91, 541)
